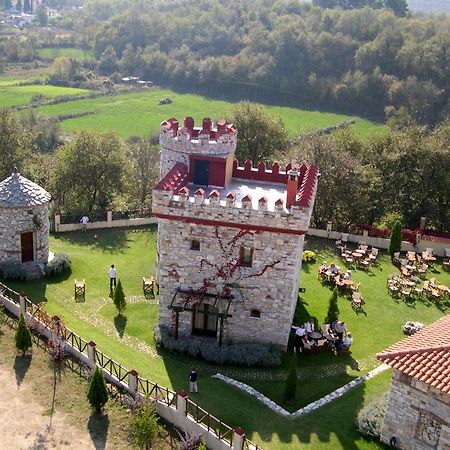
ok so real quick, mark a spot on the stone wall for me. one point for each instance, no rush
(13, 222)
(417, 415)
(178, 148)
(269, 286)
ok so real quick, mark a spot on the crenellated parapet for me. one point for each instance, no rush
(177, 143)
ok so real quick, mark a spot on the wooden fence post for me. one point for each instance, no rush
(238, 438)
(22, 302)
(133, 382)
(91, 352)
(182, 397)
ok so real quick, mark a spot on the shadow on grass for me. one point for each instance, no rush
(98, 426)
(108, 240)
(120, 322)
(21, 366)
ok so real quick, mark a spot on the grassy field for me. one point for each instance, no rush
(140, 114)
(13, 95)
(130, 340)
(51, 53)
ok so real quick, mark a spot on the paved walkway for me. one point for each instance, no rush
(312, 406)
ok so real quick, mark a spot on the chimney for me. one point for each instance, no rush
(292, 185)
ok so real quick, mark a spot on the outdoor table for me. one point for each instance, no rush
(411, 256)
(315, 335)
(357, 254)
(360, 251)
(443, 287)
(347, 282)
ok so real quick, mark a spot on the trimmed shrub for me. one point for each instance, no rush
(13, 271)
(59, 264)
(395, 244)
(370, 418)
(119, 298)
(235, 354)
(144, 427)
(97, 392)
(23, 336)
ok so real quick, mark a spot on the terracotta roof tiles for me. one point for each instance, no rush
(424, 356)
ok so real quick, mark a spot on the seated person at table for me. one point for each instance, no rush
(340, 329)
(323, 268)
(334, 269)
(347, 275)
(300, 334)
(309, 326)
(346, 342)
(333, 326)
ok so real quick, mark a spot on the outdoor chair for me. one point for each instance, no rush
(309, 348)
(422, 270)
(357, 301)
(446, 252)
(373, 255)
(364, 264)
(148, 287)
(396, 258)
(405, 292)
(325, 327)
(344, 238)
(355, 287)
(344, 349)
(321, 345)
(80, 288)
(418, 291)
(429, 251)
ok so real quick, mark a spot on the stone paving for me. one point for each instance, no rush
(312, 406)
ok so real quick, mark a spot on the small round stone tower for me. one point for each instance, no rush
(23, 221)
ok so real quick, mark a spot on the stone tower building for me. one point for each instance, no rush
(23, 221)
(230, 238)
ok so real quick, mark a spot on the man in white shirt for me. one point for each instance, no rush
(309, 326)
(112, 277)
(84, 220)
(347, 275)
(300, 334)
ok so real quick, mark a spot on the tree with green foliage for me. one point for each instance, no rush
(119, 298)
(144, 427)
(291, 381)
(88, 172)
(395, 244)
(15, 143)
(260, 135)
(26, 6)
(19, 5)
(42, 15)
(333, 309)
(97, 392)
(23, 335)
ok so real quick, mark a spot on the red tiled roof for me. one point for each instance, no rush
(175, 179)
(424, 355)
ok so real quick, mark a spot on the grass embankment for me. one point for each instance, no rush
(50, 53)
(131, 343)
(140, 114)
(13, 95)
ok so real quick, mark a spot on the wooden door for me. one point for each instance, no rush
(27, 246)
(201, 173)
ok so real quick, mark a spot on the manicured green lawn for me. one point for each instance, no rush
(130, 342)
(68, 52)
(140, 114)
(21, 95)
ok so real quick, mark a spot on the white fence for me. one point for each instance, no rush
(423, 243)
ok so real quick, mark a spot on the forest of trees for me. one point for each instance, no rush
(362, 61)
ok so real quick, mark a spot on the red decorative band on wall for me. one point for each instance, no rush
(242, 226)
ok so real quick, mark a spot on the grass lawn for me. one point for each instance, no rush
(130, 340)
(51, 53)
(11, 95)
(140, 114)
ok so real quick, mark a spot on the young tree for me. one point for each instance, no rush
(97, 392)
(144, 426)
(260, 135)
(291, 381)
(23, 335)
(395, 244)
(333, 309)
(119, 298)
(42, 15)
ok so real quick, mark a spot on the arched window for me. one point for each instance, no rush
(255, 313)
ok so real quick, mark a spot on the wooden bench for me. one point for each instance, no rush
(80, 288)
(148, 285)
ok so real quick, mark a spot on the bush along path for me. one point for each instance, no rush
(308, 408)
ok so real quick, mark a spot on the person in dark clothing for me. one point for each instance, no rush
(193, 380)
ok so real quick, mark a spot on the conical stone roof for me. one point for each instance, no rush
(18, 192)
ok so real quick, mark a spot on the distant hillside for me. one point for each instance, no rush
(430, 6)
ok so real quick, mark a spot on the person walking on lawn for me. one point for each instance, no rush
(112, 277)
(193, 380)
